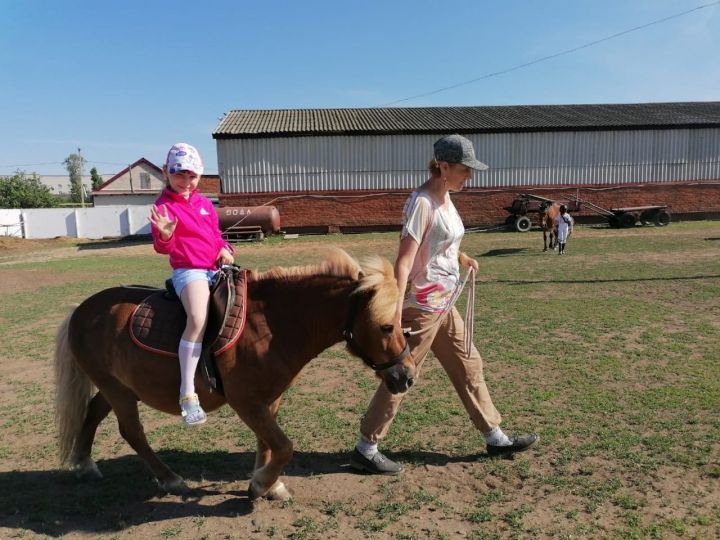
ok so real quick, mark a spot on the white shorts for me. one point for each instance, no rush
(182, 276)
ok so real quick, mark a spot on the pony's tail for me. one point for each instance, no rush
(73, 390)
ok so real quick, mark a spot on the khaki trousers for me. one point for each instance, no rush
(445, 339)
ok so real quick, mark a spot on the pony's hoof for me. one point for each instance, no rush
(278, 492)
(175, 484)
(86, 469)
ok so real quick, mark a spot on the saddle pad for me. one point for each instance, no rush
(157, 323)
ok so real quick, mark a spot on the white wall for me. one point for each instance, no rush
(108, 221)
(10, 223)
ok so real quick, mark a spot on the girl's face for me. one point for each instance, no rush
(456, 175)
(183, 182)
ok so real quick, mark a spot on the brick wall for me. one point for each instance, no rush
(374, 210)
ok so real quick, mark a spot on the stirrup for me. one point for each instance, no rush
(191, 411)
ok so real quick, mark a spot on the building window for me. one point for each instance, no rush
(144, 180)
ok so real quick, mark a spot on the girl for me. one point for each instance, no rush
(186, 227)
(429, 259)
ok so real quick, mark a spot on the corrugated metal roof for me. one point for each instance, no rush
(241, 124)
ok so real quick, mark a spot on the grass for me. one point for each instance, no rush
(609, 353)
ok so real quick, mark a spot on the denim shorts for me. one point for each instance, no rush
(182, 276)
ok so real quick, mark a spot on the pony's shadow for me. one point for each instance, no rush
(55, 503)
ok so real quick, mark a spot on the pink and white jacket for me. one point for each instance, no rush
(197, 241)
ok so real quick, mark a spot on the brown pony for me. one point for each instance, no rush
(293, 315)
(547, 223)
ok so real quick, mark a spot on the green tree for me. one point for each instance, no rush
(21, 191)
(74, 164)
(95, 178)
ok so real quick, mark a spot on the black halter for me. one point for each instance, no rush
(355, 347)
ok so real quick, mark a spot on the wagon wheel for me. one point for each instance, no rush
(662, 218)
(523, 224)
(627, 219)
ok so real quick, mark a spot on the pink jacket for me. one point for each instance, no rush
(196, 242)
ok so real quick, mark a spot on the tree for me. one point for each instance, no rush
(20, 191)
(74, 164)
(95, 178)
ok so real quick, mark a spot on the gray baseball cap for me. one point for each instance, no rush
(457, 149)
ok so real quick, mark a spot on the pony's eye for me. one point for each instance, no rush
(387, 328)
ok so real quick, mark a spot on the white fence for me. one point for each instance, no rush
(99, 222)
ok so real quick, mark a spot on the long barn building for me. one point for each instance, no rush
(351, 169)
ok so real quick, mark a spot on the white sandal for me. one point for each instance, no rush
(191, 411)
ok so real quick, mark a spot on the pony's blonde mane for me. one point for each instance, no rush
(375, 274)
(378, 275)
(337, 263)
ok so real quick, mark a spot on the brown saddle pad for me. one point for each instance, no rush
(158, 322)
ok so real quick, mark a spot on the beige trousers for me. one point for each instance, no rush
(445, 339)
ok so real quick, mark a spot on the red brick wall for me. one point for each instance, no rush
(358, 210)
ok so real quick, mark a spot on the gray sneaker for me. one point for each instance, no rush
(378, 464)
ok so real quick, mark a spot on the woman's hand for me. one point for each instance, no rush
(159, 217)
(225, 257)
(468, 262)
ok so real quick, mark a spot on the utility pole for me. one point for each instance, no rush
(82, 187)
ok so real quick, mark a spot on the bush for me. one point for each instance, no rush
(21, 191)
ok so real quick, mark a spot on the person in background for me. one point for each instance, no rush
(564, 223)
(428, 271)
(185, 226)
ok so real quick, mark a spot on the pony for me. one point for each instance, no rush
(293, 314)
(547, 223)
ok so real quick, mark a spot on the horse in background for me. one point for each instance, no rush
(547, 223)
(293, 314)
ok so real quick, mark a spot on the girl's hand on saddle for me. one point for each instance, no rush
(225, 257)
(468, 262)
(159, 217)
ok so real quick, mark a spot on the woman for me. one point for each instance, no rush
(429, 262)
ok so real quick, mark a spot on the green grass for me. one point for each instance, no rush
(609, 353)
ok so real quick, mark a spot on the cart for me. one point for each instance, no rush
(626, 217)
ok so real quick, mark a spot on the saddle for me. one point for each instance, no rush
(159, 320)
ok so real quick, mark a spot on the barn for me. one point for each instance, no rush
(330, 170)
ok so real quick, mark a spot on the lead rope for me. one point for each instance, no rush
(469, 311)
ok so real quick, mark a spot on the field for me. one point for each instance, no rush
(609, 353)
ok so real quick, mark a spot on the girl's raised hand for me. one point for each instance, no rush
(159, 217)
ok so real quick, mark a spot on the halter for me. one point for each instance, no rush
(355, 347)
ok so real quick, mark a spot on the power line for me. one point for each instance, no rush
(555, 55)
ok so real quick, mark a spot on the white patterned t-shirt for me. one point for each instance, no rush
(435, 272)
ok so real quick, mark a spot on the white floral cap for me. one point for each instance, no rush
(184, 157)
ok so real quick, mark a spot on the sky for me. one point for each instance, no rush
(125, 80)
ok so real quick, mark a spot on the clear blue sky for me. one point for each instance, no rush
(124, 80)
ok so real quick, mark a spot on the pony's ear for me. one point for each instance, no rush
(361, 275)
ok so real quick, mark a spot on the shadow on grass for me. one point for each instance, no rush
(501, 252)
(55, 503)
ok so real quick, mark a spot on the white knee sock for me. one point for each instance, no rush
(497, 437)
(189, 356)
(366, 448)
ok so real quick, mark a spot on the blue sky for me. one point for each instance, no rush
(125, 80)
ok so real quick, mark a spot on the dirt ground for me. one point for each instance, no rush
(439, 490)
